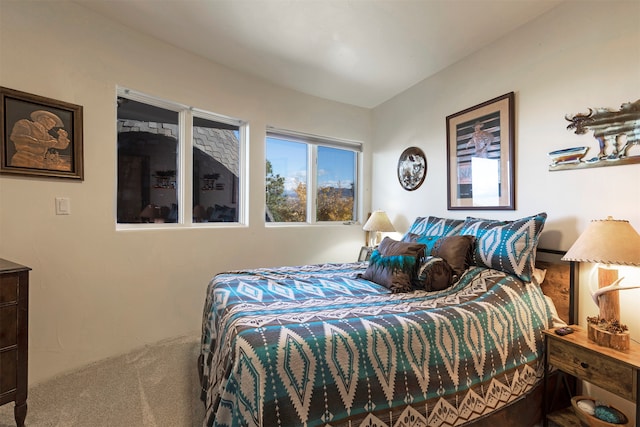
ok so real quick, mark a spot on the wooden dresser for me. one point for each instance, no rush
(14, 329)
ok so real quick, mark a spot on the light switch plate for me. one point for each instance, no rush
(63, 206)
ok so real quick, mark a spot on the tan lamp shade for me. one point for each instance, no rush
(149, 212)
(607, 241)
(152, 213)
(378, 222)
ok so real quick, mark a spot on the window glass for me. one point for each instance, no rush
(216, 164)
(310, 178)
(148, 142)
(158, 171)
(286, 178)
(336, 184)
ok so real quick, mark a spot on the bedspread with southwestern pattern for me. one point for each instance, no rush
(317, 346)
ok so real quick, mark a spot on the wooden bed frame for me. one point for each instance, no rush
(560, 284)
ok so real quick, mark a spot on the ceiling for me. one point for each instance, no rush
(360, 52)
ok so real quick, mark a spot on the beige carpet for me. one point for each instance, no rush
(154, 386)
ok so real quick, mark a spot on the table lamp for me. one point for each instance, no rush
(149, 213)
(609, 242)
(377, 223)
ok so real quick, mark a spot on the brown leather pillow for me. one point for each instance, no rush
(435, 274)
(456, 251)
(394, 265)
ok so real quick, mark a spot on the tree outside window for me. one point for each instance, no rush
(310, 181)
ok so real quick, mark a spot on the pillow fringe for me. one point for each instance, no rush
(395, 262)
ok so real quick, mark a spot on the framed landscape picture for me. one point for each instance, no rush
(40, 136)
(480, 156)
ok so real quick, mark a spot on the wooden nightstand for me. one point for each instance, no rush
(14, 328)
(615, 371)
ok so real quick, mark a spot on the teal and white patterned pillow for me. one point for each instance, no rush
(435, 226)
(428, 241)
(508, 246)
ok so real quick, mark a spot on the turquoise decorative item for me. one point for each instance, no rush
(609, 414)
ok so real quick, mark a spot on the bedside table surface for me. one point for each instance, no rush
(579, 338)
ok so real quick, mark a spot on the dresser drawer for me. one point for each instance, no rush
(8, 288)
(9, 323)
(8, 370)
(592, 367)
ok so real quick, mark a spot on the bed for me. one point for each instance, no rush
(441, 328)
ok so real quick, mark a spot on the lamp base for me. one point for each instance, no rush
(617, 341)
(371, 241)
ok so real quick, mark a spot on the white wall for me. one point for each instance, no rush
(580, 55)
(96, 292)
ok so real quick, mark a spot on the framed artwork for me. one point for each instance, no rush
(616, 133)
(412, 168)
(40, 136)
(480, 156)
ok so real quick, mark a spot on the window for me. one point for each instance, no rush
(310, 179)
(156, 165)
(216, 170)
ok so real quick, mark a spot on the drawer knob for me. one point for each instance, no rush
(584, 365)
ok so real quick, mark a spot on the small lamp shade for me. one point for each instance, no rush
(378, 222)
(152, 213)
(607, 241)
(149, 212)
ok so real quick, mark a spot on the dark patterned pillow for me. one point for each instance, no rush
(394, 265)
(456, 251)
(508, 246)
(434, 274)
(435, 226)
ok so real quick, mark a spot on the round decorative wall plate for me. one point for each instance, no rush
(412, 168)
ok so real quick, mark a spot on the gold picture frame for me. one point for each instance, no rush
(40, 137)
(480, 156)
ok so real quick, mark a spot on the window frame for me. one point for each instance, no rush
(313, 142)
(184, 164)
